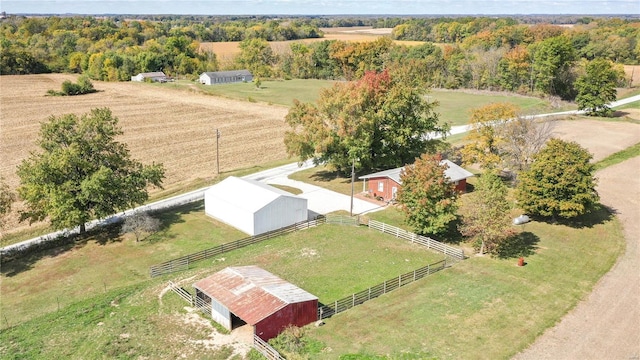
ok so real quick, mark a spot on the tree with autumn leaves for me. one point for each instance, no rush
(427, 198)
(377, 122)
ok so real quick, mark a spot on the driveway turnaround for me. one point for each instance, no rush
(319, 200)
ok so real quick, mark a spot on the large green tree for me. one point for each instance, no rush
(376, 120)
(82, 172)
(597, 87)
(427, 198)
(559, 182)
(552, 60)
(485, 213)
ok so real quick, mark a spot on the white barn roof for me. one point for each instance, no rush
(453, 173)
(247, 194)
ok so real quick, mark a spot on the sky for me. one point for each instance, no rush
(322, 7)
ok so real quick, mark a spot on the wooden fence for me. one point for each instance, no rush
(265, 349)
(451, 251)
(181, 292)
(346, 303)
(183, 263)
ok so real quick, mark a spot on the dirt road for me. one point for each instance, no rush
(605, 325)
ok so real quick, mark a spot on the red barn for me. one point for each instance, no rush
(385, 184)
(257, 297)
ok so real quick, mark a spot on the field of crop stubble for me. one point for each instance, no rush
(173, 127)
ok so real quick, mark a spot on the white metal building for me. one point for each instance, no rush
(253, 207)
(157, 76)
(225, 77)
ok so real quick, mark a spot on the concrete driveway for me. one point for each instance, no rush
(319, 200)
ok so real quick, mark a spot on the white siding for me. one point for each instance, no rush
(228, 212)
(253, 207)
(279, 213)
(220, 314)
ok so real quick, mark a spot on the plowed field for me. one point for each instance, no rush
(173, 127)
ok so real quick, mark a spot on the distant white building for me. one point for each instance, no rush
(253, 207)
(157, 76)
(225, 77)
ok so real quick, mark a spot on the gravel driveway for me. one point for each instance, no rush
(606, 324)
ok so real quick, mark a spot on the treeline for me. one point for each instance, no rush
(613, 39)
(459, 52)
(114, 49)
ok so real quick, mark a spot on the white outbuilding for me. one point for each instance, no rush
(253, 207)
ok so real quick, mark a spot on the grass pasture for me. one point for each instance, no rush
(329, 261)
(482, 308)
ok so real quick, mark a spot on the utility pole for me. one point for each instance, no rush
(353, 175)
(218, 151)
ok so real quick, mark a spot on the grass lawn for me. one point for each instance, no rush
(274, 92)
(482, 308)
(455, 106)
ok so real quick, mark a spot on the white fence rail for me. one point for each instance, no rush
(413, 237)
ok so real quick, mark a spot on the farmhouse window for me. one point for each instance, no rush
(380, 186)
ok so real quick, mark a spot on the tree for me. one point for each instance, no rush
(552, 60)
(559, 182)
(597, 87)
(483, 137)
(376, 120)
(257, 56)
(522, 138)
(139, 223)
(81, 172)
(7, 197)
(427, 198)
(485, 213)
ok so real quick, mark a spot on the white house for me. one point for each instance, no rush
(253, 207)
(225, 77)
(157, 76)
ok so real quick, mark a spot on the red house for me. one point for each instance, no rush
(249, 294)
(385, 184)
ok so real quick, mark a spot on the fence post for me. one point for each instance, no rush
(353, 300)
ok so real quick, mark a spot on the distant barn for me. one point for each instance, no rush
(157, 76)
(249, 294)
(225, 77)
(253, 207)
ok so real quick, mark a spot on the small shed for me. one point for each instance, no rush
(257, 297)
(253, 207)
(385, 184)
(157, 76)
(225, 77)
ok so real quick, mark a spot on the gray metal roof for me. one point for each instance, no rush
(218, 74)
(453, 173)
(251, 293)
(153, 74)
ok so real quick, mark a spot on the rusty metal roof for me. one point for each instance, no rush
(251, 293)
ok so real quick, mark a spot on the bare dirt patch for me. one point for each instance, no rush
(163, 125)
(601, 138)
(606, 324)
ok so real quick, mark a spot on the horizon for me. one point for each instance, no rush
(416, 8)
